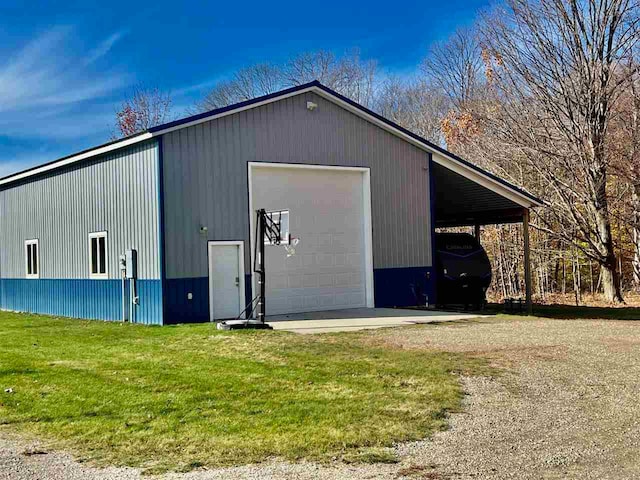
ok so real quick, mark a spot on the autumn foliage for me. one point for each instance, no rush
(142, 110)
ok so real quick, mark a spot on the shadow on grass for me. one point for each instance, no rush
(569, 312)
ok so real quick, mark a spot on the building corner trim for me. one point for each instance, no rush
(161, 247)
(432, 227)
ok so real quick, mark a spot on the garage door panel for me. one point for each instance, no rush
(325, 260)
(293, 262)
(280, 281)
(326, 211)
(314, 291)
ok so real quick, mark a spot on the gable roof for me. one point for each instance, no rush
(442, 156)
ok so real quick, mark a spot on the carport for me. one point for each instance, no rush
(465, 196)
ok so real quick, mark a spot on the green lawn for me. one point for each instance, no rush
(174, 398)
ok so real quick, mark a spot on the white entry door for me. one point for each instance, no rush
(226, 279)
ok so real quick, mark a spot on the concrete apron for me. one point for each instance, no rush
(354, 319)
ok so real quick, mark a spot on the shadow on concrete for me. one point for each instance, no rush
(369, 313)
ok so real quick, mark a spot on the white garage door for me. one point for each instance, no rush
(327, 213)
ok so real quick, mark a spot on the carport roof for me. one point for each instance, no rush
(473, 173)
(458, 201)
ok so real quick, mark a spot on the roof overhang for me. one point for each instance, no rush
(457, 201)
(439, 155)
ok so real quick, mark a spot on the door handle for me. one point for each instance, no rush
(237, 281)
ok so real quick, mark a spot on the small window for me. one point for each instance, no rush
(32, 258)
(280, 218)
(98, 255)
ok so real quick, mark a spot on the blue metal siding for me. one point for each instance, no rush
(404, 287)
(178, 308)
(117, 193)
(80, 298)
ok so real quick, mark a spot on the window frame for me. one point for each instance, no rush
(98, 235)
(27, 243)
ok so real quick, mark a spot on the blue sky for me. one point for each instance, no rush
(66, 66)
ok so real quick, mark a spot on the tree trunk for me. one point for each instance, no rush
(611, 282)
(608, 265)
(576, 285)
(636, 235)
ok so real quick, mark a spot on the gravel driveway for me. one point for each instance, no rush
(566, 406)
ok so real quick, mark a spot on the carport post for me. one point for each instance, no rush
(527, 261)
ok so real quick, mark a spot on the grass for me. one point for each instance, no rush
(572, 312)
(177, 398)
(586, 312)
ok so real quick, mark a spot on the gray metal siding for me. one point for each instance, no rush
(205, 178)
(117, 193)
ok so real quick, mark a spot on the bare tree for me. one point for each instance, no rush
(554, 63)
(417, 106)
(348, 75)
(625, 157)
(455, 65)
(247, 83)
(145, 108)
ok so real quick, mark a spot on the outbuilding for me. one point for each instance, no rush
(362, 194)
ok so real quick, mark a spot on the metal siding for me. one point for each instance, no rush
(205, 180)
(80, 298)
(117, 193)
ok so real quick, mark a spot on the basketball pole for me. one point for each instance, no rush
(262, 231)
(261, 307)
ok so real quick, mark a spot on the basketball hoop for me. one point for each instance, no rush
(272, 229)
(290, 247)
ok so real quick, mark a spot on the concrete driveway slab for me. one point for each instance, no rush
(354, 319)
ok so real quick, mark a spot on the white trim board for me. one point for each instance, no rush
(439, 157)
(102, 234)
(368, 237)
(77, 158)
(27, 244)
(141, 138)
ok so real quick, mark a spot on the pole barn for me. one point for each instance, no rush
(158, 228)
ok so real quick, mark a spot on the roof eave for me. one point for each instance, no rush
(451, 160)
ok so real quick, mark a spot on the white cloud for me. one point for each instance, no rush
(56, 125)
(105, 46)
(53, 100)
(45, 72)
(196, 88)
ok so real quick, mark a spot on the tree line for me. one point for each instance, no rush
(544, 93)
